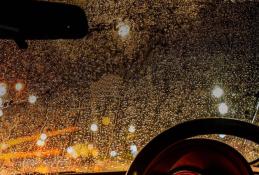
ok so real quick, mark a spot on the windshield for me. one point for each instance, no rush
(90, 105)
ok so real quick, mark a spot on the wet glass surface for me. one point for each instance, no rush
(91, 104)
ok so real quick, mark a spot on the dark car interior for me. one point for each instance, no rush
(129, 87)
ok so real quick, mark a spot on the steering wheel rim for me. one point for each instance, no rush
(190, 129)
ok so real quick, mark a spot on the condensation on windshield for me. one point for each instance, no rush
(91, 105)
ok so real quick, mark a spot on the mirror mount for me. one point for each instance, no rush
(41, 20)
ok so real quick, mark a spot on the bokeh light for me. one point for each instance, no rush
(123, 29)
(94, 127)
(223, 108)
(106, 121)
(217, 92)
(133, 150)
(132, 129)
(1, 102)
(19, 86)
(1, 113)
(32, 99)
(222, 136)
(40, 143)
(43, 137)
(71, 151)
(113, 153)
(3, 89)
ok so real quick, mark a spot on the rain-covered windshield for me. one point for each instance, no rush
(91, 104)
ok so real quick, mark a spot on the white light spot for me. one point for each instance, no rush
(217, 92)
(223, 108)
(1, 102)
(3, 89)
(94, 127)
(222, 136)
(43, 137)
(72, 152)
(133, 150)
(113, 154)
(19, 86)
(32, 99)
(132, 129)
(123, 29)
(40, 143)
(1, 113)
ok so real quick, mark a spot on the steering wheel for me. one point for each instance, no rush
(174, 153)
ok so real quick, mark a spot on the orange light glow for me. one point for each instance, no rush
(62, 131)
(42, 169)
(22, 155)
(35, 137)
(106, 121)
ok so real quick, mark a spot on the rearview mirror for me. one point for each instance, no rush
(38, 20)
